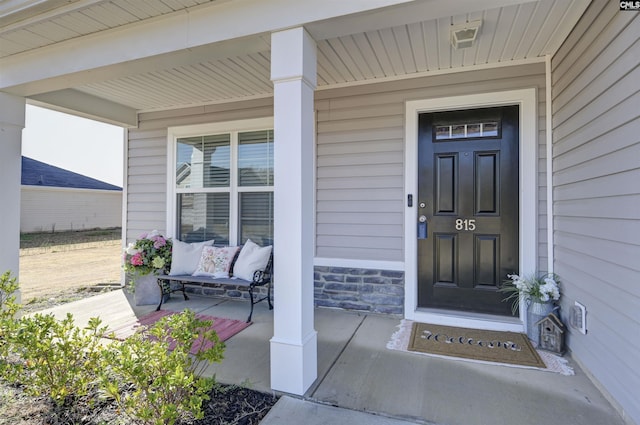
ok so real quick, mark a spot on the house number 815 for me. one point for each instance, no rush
(466, 224)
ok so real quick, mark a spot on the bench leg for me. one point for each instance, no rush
(252, 303)
(159, 281)
(269, 296)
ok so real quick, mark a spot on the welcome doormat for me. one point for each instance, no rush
(503, 348)
(225, 328)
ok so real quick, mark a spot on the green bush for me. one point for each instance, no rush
(70, 365)
(155, 385)
(8, 287)
(8, 311)
(54, 357)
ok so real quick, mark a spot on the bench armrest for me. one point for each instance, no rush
(261, 277)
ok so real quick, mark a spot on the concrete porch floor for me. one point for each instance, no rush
(358, 373)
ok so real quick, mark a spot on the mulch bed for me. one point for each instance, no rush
(236, 405)
(228, 404)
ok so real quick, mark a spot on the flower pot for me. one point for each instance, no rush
(537, 311)
(147, 290)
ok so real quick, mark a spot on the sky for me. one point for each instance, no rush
(76, 144)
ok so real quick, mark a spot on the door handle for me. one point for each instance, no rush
(422, 227)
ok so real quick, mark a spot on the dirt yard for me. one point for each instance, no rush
(65, 264)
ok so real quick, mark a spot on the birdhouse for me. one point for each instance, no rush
(552, 333)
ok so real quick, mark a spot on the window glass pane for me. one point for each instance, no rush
(255, 158)
(217, 153)
(256, 217)
(443, 132)
(458, 131)
(203, 161)
(186, 149)
(490, 129)
(473, 130)
(203, 216)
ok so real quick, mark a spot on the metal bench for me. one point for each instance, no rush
(260, 278)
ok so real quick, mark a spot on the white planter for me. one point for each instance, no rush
(147, 290)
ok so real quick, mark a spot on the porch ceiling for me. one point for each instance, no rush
(395, 42)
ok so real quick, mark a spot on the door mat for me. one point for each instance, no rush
(225, 328)
(491, 347)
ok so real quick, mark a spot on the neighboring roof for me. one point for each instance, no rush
(36, 173)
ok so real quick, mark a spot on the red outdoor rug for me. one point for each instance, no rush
(225, 328)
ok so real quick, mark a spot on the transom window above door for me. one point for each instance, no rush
(455, 126)
(466, 131)
(223, 186)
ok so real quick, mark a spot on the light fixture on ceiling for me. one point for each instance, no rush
(464, 35)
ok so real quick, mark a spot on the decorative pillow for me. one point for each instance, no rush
(215, 261)
(185, 256)
(251, 258)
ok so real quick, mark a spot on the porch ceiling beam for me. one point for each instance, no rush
(194, 55)
(85, 105)
(187, 29)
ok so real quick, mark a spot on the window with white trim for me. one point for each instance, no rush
(224, 187)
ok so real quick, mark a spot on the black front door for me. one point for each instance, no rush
(467, 208)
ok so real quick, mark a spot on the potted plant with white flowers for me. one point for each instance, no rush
(539, 292)
(144, 259)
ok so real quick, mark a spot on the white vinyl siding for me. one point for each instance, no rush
(49, 209)
(146, 182)
(360, 159)
(596, 163)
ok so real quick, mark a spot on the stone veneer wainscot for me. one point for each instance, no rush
(223, 291)
(377, 291)
(367, 290)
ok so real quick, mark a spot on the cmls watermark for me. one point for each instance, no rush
(630, 5)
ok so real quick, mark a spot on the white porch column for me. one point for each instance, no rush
(294, 354)
(12, 110)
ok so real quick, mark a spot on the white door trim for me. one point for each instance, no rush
(528, 220)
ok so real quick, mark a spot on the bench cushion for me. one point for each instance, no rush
(252, 257)
(185, 256)
(216, 261)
